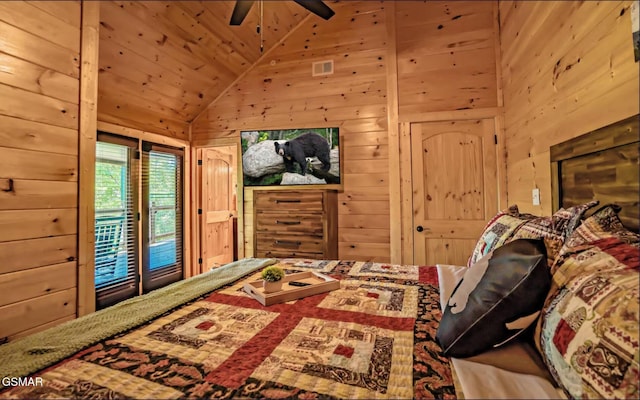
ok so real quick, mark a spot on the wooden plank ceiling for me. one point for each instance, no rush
(163, 62)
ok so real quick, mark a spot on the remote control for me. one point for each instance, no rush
(299, 283)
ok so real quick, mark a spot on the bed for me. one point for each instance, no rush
(377, 336)
(372, 338)
(355, 342)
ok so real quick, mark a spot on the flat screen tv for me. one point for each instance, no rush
(291, 157)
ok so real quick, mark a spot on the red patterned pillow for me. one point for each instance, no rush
(588, 332)
(603, 224)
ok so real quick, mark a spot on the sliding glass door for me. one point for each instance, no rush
(116, 223)
(162, 210)
(136, 252)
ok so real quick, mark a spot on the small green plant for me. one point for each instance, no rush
(272, 274)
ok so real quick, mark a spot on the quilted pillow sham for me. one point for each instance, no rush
(510, 224)
(554, 230)
(496, 232)
(603, 224)
(588, 332)
(497, 299)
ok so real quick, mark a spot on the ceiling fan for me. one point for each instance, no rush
(317, 7)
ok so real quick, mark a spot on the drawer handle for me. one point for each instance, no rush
(288, 201)
(288, 222)
(296, 243)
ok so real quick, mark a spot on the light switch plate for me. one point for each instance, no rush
(535, 196)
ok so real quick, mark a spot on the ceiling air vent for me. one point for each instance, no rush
(322, 68)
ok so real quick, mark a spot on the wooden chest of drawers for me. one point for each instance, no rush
(300, 224)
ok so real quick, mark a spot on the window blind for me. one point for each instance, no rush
(116, 271)
(162, 232)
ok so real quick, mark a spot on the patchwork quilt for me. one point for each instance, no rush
(372, 338)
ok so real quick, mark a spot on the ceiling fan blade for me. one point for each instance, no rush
(240, 11)
(317, 7)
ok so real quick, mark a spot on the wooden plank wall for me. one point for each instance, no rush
(39, 112)
(279, 92)
(568, 68)
(134, 90)
(446, 57)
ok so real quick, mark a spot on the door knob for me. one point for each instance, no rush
(419, 228)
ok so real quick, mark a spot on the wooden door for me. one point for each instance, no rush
(218, 203)
(455, 188)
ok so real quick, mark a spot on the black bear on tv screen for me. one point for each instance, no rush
(295, 151)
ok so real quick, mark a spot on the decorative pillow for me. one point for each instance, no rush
(496, 232)
(498, 298)
(510, 225)
(590, 337)
(554, 230)
(588, 331)
(595, 246)
(603, 255)
(568, 219)
(603, 223)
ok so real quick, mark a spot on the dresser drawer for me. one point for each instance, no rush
(281, 222)
(288, 254)
(295, 224)
(289, 201)
(289, 243)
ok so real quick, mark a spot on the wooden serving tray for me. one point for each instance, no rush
(318, 284)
